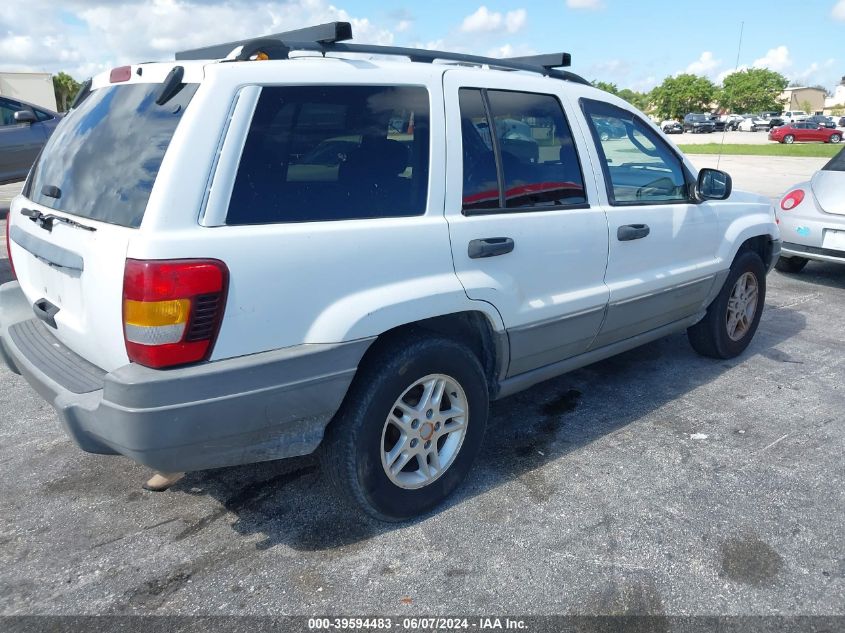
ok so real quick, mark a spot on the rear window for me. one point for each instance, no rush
(105, 154)
(837, 163)
(318, 153)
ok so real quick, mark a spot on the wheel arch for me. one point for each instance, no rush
(474, 328)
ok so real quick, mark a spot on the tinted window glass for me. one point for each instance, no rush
(539, 161)
(481, 185)
(105, 154)
(42, 116)
(639, 167)
(333, 153)
(7, 112)
(837, 163)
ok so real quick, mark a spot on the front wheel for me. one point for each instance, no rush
(410, 427)
(733, 317)
(789, 139)
(791, 264)
(835, 138)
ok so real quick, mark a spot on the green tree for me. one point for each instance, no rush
(684, 93)
(640, 100)
(752, 90)
(606, 86)
(65, 88)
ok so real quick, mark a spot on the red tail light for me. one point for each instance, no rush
(119, 74)
(172, 309)
(9, 246)
(792, 200)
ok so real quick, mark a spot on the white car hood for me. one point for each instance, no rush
(829, 189)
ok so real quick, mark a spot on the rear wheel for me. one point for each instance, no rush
(409, 429)
(733, 317)
(835, 138)
(789, 139)
(791, 264)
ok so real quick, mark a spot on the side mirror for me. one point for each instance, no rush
(25, 116)
(713, 184)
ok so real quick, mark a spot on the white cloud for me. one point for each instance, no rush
(776, 59)
(838, 11)
(704, 65)
(585, 4)
(403, 25)
(484, 20)
(89, 35)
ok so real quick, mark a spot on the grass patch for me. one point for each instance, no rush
(808, 150)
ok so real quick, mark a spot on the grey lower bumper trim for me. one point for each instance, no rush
(235, 411)
(812, 252)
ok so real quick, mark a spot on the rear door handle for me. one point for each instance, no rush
(489, 247)
(632, 232)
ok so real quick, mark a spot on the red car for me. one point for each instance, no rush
(801, 131)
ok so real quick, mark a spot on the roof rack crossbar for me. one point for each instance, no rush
(327, 33)
(329, 38)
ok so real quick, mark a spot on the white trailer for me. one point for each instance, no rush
(36, 88)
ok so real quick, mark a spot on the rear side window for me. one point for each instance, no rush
(837, 163)
(639, 168)
(317, 153)
(518, 152)
(105, 154)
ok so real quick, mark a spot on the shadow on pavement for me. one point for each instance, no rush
(290, 502)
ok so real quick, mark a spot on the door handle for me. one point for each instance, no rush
(632, 232)
(489, 247)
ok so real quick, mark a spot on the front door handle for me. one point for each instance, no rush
(632, 232)
(489, 247)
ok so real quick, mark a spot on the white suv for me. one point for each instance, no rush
(228, 261)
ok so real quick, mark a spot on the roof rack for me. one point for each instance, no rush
(329, 38)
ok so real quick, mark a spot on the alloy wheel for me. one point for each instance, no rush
(742, 306)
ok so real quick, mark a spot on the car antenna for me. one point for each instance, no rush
(736, 67)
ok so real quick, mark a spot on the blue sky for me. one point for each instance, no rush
(634, 44)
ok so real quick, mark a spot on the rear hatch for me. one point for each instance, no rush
(828, 185)
(84, 200)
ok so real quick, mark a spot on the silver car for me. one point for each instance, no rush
(24, 128)
(812, 218)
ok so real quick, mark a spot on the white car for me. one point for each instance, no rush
(793, 116)
(198, 286)
(812, 218)
(753, 124)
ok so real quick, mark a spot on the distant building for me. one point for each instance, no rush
(793, 98)
(36, 88)
(837, 101)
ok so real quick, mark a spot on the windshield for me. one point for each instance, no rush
(105, 154)
(837, 163)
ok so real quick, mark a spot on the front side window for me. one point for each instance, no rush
(639, 167)
(318, 153)
(7, 112)
(518, 152)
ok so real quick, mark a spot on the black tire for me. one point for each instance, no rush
(709, 337)
(789, 139)
(351, 453)
(791, 264)
(835, 138)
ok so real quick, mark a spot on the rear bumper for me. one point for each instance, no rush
(813, 252)
(235, 411)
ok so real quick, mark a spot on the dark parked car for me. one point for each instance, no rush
(821, 121)
(671, 127)
(697, 123)
(24, 128)
(775, 121)
(842, 121)
(609, 128)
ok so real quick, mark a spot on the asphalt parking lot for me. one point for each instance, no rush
(655, 482)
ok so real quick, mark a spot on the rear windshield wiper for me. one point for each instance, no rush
(45, 220)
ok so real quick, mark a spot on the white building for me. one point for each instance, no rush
(838, 98)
